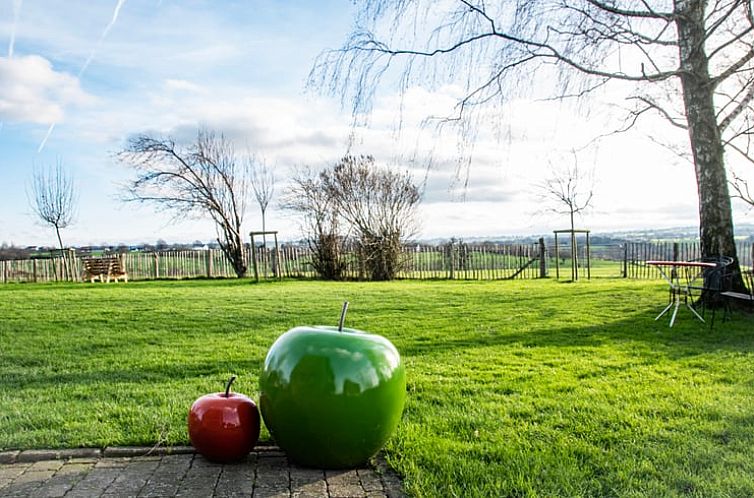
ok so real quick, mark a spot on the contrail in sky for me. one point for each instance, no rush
(88, 60)
(47, 135)
(16, 12)
(102, 36)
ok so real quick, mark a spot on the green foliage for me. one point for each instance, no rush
(516, 388)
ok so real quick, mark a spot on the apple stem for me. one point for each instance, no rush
(227, 386)
(343, 316)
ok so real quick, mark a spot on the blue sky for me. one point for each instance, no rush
(169, 66)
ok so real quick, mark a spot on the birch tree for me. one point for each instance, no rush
(690, 62)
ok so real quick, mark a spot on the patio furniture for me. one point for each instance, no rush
(680, 275)
(104, 269)
(706, 291)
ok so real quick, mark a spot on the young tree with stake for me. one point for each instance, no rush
(53, 200)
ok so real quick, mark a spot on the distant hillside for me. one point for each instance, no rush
(677, 234)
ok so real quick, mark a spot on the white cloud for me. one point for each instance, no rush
(34, 92)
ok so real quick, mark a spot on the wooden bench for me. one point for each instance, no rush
(104, 269)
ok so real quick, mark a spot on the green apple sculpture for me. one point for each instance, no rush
(331, 396)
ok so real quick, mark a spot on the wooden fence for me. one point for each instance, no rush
(448, 261)
(458, 261)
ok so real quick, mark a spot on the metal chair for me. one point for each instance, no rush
(706, 290)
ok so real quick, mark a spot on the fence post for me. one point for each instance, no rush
(557, 257)
(542, 258)
(34, 269)
(5, 272)
(674, 271)
(156, 265)
(254, 258)
(208, 262)
(452, 257)
(276, 261)
(625, 260)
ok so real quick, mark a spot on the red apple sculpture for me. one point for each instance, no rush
(224, 427)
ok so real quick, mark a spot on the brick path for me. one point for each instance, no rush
(126, 472)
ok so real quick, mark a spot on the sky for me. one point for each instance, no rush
(78, 78)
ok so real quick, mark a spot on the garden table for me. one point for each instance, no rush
(680, 287)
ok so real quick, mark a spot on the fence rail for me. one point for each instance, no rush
(458, 261)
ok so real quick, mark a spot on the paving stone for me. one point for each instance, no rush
(306, 483)
(8, 456)
(75, 467)
(64, 480)
(11, 471)
(345, 491)
(54, 465)
(130, 451)
(27, 484)
(52, 489)
(37, 476)
(120, 463)
(309, 489)
(167, 477)
(37, 455)
(133, 478)
(271, 493)
(95, 483)
(200, 479)
(272, 474)
(21, 490)
(342, 477)
(77, 453)
(370, 481)
(265, 460)
(236, 480)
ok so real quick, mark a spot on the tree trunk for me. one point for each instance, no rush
(264, 230)
(64, 271)
(715, 213)
(574, 252)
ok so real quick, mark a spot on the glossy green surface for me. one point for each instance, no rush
(331, 399)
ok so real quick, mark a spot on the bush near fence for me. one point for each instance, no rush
(456, 260)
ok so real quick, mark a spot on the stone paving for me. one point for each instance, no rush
(165, 472)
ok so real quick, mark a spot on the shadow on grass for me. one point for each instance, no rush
(688, 337)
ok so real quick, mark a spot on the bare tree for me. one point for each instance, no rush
(263, 185)
(321, 223)
(380, 205)
(569, 188)
(651, 50)
(741, 189)
(205, 178)
(571, 192)
(53, 200)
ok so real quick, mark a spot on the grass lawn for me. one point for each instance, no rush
(515, 388)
